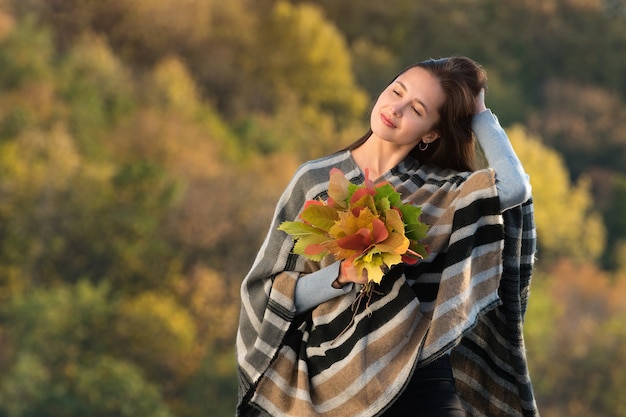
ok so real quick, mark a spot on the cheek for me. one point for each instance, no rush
(413, 129)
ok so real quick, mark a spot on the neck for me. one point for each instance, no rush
(378, 156)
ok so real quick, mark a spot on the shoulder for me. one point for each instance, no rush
(322, 165)
(436, 180)
(313, 176)
(434, 173)
(483, 179)
(310, 180)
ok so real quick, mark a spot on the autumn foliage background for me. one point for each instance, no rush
(144, 143)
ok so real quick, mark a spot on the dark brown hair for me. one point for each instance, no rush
(461, 80)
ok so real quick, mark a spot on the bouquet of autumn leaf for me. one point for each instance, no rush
(366, 226)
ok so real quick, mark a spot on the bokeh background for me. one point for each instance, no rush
(144, 143)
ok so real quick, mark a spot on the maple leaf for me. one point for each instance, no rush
(373, 264)
(354, 234)
(396, 243)
(386, 194)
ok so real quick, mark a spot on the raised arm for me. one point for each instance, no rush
(512, 181)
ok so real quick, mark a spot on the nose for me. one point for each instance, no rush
(394, 110)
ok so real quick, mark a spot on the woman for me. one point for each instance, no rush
(442, 338)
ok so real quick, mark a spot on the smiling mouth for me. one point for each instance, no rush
(387, 121)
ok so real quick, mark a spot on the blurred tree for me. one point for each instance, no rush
(575, 339)
(64, 219)
(568, 223)
(213, 391)
(174, 88)
(584, 123)
(29, 98)
(25, 55)
(98, 90)
(213, 299)
(306, 56)
(55, 359)
(37, 170)
(614, 209)
(374, 65)
(155, 332)
(214, 304)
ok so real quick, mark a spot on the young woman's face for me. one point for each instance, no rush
(407, 109)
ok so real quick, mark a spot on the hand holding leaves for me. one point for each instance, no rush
(367, 226)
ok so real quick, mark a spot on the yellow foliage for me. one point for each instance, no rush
(310, 58)
(158, 333)
(158, 321)
(214, 302)
(184, 148)
(175, 86)
(92, 56)
(40, 160)
(567, 222)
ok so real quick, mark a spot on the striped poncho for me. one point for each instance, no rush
(469, 295)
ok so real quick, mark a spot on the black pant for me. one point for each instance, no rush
(430, 393)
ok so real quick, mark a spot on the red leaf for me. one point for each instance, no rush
(360, 193)
(314, 249)
(410, 260)
(380, 231)
(312, 203)
(358, 241)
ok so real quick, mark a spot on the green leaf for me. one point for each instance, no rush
(410, 213)
(416, 231)
(352, 189)
(322, 217)
(297, 229)
(387, 191)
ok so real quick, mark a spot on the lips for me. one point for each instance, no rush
(387, 121)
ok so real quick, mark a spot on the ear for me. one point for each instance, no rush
(430, 137)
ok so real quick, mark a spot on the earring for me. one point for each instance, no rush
(422, 148)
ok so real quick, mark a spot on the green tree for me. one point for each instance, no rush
(29, 98)
(64, 219)
(56, 358)
(98, 91)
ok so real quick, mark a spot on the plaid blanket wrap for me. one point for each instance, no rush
(341, 359)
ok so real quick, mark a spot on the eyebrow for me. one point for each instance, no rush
(420, 102)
